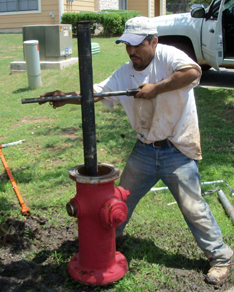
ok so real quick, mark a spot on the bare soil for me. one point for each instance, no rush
(34, 257)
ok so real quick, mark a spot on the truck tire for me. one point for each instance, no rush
(185, 48)
(205, 67)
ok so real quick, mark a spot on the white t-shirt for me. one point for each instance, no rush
(171, 115)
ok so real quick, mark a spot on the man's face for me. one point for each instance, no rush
(142, 54)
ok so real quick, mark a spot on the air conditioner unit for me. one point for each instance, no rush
(55, 41)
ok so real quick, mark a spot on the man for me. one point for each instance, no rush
(164, 115)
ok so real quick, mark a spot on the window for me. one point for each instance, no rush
(122, 4)
(18, 5)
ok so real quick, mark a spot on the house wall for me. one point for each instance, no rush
(138, 5)
(160, 7)
(18, 20)
(90, 5)
(142, 6)
(157, 7)
(109, 4)
(11, 21)
(79, 5)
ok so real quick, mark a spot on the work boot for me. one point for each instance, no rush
(217, 275)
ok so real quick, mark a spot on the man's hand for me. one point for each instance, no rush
(147, 91)
(59, 103)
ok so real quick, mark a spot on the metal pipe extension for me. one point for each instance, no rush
(87, 101)
(227, 205)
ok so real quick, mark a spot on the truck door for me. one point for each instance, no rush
(212, 37)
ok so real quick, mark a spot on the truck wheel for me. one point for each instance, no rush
(185, 48)
(205, 67)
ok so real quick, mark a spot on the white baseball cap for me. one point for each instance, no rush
(137, 29)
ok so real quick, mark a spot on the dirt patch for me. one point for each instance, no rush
(46, 244)
(34, 256)
(29, 121)
(32, 120)
(71, 133)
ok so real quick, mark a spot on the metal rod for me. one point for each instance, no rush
(203, 183)
(227, 205)
(87, 101)
(128, 92)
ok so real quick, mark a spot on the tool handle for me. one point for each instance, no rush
(50, 98)
(133, 91)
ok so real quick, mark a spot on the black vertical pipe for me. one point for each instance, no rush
(87, 101)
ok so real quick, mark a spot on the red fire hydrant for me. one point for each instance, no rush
(99, 207)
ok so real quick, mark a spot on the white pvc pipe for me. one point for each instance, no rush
(12, 143)
(33, 63)
(61, 9)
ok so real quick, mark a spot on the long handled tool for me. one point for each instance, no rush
(128, 92)
(24, 209)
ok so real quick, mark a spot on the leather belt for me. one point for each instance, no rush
(161, 144)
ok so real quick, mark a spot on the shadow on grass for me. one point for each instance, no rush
(43, 274)
(20, 90)
(6, 202)
(146, 249)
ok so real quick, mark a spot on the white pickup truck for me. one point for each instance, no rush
(206, 35)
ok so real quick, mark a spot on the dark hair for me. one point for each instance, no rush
(150, 37)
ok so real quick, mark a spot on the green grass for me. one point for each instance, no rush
(157, 233)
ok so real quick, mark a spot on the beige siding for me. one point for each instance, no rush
(139, 5)
(79, 5)
(44, 17)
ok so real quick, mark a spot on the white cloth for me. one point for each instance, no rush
(171, 115)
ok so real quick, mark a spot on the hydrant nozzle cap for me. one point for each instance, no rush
(113, 213)
(71, 209)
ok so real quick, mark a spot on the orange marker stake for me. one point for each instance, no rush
(24, 209)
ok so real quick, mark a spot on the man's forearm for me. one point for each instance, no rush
(177, 80)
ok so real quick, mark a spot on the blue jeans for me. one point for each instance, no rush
(146, 166)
